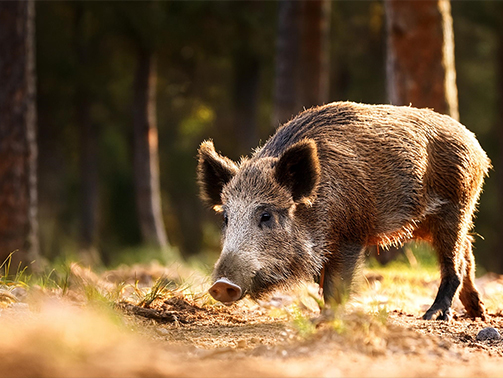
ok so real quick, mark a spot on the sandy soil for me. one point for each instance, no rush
(191, 336)
(251, 340)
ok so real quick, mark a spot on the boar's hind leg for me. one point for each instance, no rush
(449, 240)
(469, 295)
(339, 271)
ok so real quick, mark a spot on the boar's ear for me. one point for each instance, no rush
(213, 172)
(298, 169)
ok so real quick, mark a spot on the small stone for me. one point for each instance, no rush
(162, 331)
(488, 333)
(20, 293)
(241, 343)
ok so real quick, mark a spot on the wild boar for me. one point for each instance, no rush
(335, 180)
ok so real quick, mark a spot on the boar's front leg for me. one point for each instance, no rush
(338, 272)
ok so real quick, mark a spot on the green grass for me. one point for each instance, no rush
(8, 278)
(159, 289)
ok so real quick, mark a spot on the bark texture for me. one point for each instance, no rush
(314, 75)
(146, 159)
(287, 61)
(18, 147)
(420, 66)
(497, 263)
(88, 146)
(247, 78)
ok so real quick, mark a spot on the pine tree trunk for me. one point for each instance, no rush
(246, 96)
(18, 146)
(287, 62)
(146, 159)
(497, 256)
(420, 63)
(88, 182)
(314, 75)
(88, 148)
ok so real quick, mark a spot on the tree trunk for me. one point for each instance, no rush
(18, 146)
(287, 61)
(190, 221)
(420, 65)
(88, 182)
(314, 76)
(88, 147)
(246, 96)
(496, 261)
(146, 159)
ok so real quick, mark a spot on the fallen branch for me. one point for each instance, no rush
(150, 313)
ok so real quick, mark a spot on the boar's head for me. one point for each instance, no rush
(263, 202)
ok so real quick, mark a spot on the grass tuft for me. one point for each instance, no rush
(160, 289)
(302, 322)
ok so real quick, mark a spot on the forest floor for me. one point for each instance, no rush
(153, 321)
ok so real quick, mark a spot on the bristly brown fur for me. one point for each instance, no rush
(213, 172)
(341, 177)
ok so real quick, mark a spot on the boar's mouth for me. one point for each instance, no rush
(264, 283)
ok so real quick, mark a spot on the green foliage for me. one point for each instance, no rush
(18, 278)
(302, 323)
(380, 311)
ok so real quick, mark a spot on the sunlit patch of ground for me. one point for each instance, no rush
(158, 321)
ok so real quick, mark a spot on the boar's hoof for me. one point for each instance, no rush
(438, 314)
(225, 291)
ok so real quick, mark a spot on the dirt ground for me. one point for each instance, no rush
(286, 336)
(379, 333)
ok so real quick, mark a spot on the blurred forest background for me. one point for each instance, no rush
(122, 94)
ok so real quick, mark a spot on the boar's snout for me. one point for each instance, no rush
(225, 291)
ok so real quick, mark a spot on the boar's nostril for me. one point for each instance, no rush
(232, 292)
(225, 291)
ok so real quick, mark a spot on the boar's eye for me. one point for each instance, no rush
(265, 217)
(226, 218)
